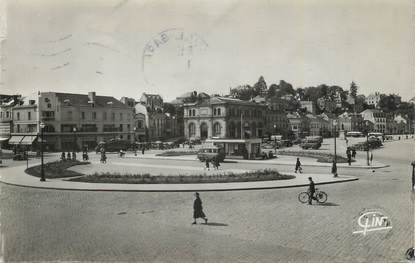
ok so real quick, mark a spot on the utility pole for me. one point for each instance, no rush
(242, 119)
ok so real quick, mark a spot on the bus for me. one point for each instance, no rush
(354, 134)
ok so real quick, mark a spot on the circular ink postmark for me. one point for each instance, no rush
(172, 55)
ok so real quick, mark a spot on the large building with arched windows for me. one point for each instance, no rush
(222, 117)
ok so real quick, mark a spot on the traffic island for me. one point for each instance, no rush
(57, 169)
(223, 177)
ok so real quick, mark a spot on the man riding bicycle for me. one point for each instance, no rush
(311, 190)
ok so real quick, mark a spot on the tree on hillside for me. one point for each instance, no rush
(387, 103)
(245, 92)
(272, 90)
(260, 88)
(353, 90)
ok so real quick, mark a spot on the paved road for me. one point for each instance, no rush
(246, 226)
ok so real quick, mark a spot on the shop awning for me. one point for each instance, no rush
(2, 139)
(28, 140)
(15, 139)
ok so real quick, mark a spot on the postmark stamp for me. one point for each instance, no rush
(171, 54)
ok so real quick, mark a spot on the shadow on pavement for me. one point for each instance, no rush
(215, 224)
(327, 204)
(229, 161)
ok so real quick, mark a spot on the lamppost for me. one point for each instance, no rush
(335, 148)
(275, 132)
(410, 253)
(42, 169)
(367, 142)
(75, 145)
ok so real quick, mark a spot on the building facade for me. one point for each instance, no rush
(221, 117)
(74, 120)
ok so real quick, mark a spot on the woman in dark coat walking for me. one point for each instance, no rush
(198, 210)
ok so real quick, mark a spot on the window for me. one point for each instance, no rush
(218, 111)
(94, 115)
(192, 130)
(104, 115)
(217, 129)
(120, 116)
(128, 127)
(83, 115)
(49, 105)
(214, 111)
(121, 127)
(113, 116)
(7, 114)
(29, 115)
(18, 127)
(18, 116)
(194, 112)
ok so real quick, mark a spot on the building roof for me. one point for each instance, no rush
(83, 99)
(225, 100)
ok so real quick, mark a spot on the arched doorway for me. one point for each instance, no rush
(203, 130)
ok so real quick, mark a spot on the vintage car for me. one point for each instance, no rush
(210, 152)
(311, 143)
(113, 146)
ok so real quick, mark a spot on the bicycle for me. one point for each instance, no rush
(320, 196)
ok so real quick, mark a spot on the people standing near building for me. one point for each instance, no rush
(63, 156)
(207, 164)
(217, 163)
(354, 153)
(74, 156)
(349, 158)
(68, 156)
(198, 210)
(298, 166)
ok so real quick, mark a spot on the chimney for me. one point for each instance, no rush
(91, 96)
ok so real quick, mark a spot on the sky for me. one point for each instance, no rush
(125, 47)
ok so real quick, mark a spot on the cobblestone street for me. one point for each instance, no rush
(244, 226)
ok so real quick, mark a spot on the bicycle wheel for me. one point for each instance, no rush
(303, 197)
(321, 197)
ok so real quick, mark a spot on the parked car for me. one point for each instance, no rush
(311, 143)
(268, 151)
(286, 143)
(113, 146)
(209, 152)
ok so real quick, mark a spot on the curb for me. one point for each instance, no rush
(177, 190)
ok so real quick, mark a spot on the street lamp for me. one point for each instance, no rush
(335, 148)
(42, 169)
(75, 145)
(367, 142)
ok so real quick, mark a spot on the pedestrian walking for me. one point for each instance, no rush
(142, 150)
(74, 156)
(217, 163)
(63, 156)
(349, 158)
(354, 153)
(198, 210)
(334, 169)
(371, 158)
(298, 166)
(207, 164)
(68, 156)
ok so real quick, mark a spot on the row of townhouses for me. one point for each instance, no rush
(79, 120)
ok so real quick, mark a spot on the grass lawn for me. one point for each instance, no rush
(321, 157)
(260, 175)
(176, 153)
(58, 169)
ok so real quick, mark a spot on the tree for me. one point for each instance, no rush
(272, 90)
(353, 90)
(260, 88)
(387, 103)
